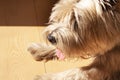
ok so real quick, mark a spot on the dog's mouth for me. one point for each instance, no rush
(60, 54)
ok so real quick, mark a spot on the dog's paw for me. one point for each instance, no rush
(33, 48)
(42, 52)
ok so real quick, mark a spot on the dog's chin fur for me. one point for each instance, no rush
(86, 28)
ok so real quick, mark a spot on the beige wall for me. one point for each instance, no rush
(16, 63)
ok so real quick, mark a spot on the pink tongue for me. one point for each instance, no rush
(59, 54)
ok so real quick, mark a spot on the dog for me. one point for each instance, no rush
(83, 29)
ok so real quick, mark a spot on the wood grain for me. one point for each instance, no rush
(16, 63)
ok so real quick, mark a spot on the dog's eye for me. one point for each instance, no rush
(75, 25)
(74, 21)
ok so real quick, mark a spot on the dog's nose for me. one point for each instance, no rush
(51, 39)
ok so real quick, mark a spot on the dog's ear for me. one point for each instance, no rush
(108, 4)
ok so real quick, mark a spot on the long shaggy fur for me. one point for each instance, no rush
(82, 28)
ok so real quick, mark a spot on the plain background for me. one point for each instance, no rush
(25, 12)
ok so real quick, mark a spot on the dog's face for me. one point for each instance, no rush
(82, 28)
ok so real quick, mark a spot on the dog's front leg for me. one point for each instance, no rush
(73, 74)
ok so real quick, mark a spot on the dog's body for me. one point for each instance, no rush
(85, 28)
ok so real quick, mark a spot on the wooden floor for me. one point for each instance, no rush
(17, 64)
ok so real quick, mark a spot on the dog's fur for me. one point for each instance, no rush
(83, 29)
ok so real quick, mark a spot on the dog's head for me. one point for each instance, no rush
(80, 28)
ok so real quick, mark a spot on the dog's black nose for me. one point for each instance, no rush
(51, 39)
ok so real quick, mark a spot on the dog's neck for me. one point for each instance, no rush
(108, 62)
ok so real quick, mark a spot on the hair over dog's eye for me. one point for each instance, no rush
(74, 22)
(75, 25)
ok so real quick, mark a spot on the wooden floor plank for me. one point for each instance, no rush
(15, 62)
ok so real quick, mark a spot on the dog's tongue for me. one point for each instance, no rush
(59, 54)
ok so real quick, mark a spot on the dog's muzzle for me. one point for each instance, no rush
(51, 39)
